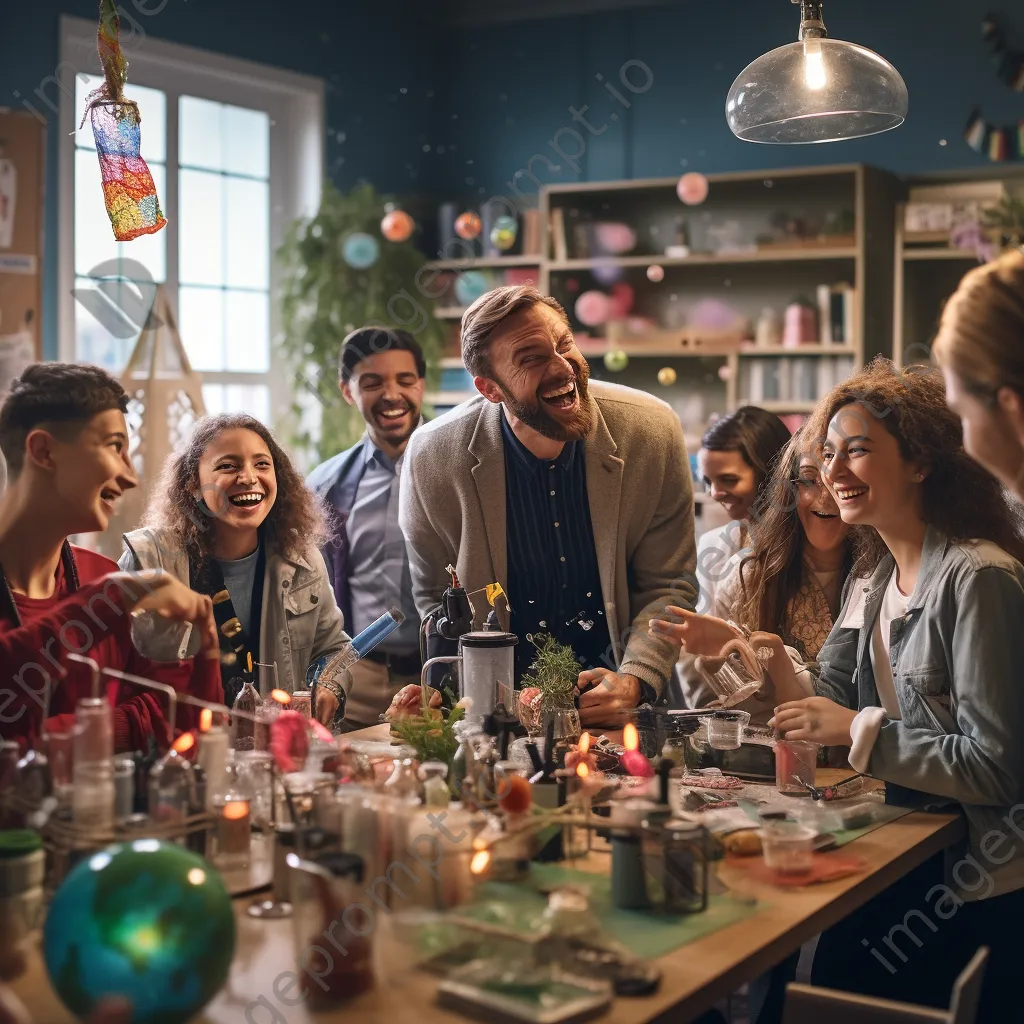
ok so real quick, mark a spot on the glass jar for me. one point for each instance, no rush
(725, 729)
(684, 881)
(233, 815)
(93, 795)
(795, 765)
(94, 731)
(403, 784)
(124, 788)
(257, 768)
(334, 930)
(170, 784)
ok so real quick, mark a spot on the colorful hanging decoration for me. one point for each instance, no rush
(504, 232)
(468, 225)
(655, 273)
(1006, 142)
(616, 360)
(692, 188)
(666, 376)
(397, 225)
(470, 285)
(360, 250)
(128, 190)
(592, 308)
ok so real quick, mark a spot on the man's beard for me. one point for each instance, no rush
(537, 417)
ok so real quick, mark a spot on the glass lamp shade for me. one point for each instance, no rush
(818, 90)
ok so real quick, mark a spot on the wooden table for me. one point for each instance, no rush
(695, 976)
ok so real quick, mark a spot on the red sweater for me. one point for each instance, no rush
(93, 622)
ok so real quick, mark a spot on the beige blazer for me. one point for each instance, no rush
(300, 620)
(452, 510)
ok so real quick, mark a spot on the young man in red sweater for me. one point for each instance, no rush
(64, 437)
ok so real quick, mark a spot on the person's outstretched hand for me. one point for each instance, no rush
(408, 700)
(695, 634)
(158, 592)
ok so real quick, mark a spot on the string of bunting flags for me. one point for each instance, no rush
(999, 143)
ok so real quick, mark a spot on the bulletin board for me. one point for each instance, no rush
(22, 170)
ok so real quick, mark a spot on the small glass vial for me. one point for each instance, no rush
(93, 794)
(434, 774)
(94, 731)
(243, 729)
(170, 784)
(402, 783)
(124, 788)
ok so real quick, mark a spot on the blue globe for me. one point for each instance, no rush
(146, 920)
(360, 250)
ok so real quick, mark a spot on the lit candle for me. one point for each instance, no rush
(233, 833)
(631, 759)
(580, 755)
(213, 755)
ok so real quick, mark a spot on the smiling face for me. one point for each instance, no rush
(539, 374)
(730, 480)
(237, 480)
(824, 529)
(872, 483)
(388, 391)
(90, 471)
(993, 431)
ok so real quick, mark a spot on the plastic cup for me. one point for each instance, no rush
(795, 764)
(788, 847)
(725, 729)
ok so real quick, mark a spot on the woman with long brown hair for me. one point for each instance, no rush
(980, 347)
(231, 517)
(920, 676)
(789, 584)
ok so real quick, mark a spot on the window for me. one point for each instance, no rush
(235, 153)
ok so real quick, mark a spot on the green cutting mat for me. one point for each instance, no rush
(646, 934)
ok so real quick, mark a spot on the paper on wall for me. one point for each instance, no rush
(8, 195)
(17, 352)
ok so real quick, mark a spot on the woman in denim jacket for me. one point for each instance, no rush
(921, 677)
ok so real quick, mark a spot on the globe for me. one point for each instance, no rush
(469, 286)
(146, 920)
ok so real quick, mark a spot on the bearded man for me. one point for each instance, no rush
(575, 496)
(381, 372)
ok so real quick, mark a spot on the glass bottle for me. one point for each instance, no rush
(402, 784)
(232, 810)
(435, 787)
(170, 784)
(244, 728)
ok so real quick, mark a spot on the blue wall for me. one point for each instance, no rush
(366, 53)
(479, 103)
(512, 86)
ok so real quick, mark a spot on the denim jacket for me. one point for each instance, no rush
(958, 667)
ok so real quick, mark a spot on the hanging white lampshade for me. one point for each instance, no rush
(816, 90)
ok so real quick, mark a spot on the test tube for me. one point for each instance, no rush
(365, 641)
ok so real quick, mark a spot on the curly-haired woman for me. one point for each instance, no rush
(921, 675)
(232, 518)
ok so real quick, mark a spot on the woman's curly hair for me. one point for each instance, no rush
(961, 499)
(297, 521)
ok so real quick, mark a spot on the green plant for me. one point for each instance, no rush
(323, 298)
(431, 733)
(1008, 217)
(554, 671)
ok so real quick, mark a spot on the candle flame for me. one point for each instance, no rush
(582, 770)
(584, 743)
(281, 697)
(186, 741)
(248, 660)
(630, 737)
(205, 720)
(478, 865)
(236, 809)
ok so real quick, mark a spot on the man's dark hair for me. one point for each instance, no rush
(369, 341)
(58, 397)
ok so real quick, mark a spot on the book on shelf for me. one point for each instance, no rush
(560, 249)
(787, 379)
(531, 232)
(836, 311)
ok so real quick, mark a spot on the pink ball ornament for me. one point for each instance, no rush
(655, 273)
(615, 238)
(468, 225)
(593, 308)
(692, 188)
(725, 372)
(397, 226)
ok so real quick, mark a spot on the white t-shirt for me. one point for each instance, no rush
(718, 551)
(894, 606)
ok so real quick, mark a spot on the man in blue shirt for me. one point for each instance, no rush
(381, 372)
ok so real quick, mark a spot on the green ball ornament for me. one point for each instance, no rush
(146, 920)
(616, 360)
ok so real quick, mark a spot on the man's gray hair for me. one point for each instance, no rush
(488, 313)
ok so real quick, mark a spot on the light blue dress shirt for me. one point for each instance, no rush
(379, 577)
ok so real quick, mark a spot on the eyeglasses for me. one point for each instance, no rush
(808, 483)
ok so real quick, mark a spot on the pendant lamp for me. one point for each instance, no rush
(816, 90)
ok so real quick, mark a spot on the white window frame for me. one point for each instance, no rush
(295, 103)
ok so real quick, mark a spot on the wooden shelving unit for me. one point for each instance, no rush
(927, 270)
(743, 272)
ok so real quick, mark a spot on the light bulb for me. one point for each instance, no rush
(814, 64)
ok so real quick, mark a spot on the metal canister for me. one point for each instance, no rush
(22, 869)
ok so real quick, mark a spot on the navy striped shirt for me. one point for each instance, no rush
(554, 585)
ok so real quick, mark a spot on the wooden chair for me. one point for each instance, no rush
(808, 1005)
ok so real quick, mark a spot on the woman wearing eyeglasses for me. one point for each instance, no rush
(789, 585)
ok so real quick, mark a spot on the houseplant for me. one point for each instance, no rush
(323, 297)
(549, 687)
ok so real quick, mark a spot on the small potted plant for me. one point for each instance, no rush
(549, 689)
